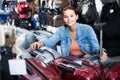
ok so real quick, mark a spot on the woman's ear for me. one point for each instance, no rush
(77, 17)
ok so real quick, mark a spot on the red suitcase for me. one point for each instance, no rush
(75, 69)
(38, 70)
(113, 72)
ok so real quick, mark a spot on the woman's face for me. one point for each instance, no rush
(70, 17)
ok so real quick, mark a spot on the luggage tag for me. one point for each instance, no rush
(17, 66)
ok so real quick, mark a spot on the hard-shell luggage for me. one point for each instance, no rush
(41, 34)
(5, 74)
(26, 24)
(27, 37)
(45, 54)
(110, 14)
(24, 39)
(75, 69)
(38, 70)
(113, 72)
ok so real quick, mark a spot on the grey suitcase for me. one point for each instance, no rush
(45, 54)
(41, 34)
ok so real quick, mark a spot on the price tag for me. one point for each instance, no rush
(17, 67)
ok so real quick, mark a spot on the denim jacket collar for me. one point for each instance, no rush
(78, 31)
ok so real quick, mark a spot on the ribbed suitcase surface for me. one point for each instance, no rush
(38, 70)
(76, 69)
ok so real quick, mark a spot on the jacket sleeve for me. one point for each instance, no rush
(93, 40)
(50, 42)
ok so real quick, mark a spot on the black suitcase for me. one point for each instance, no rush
(26, 24)
(6, 54)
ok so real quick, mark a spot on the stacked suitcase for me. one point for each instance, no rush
(38, 70)
(69, 68)
(47, 64)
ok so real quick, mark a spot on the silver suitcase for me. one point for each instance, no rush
(45, 54)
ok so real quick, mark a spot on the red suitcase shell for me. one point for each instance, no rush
(38, 70)
(113, 73)
(71, 70)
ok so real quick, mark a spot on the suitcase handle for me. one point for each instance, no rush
(29, 70)
(37, 54)
(72, 63)
(66, 69)
(48, 50)
(32, 53)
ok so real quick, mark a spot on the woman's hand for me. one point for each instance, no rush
(35, 45)
(86, 56)
(104, 57)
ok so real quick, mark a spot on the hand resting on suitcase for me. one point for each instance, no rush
(44, 54)
(36, 45)
(97, 58)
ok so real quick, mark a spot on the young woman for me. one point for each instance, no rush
(78, 40)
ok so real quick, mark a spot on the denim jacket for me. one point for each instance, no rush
(85, 37)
